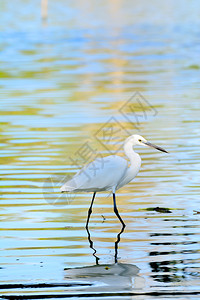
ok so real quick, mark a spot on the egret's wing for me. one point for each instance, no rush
(101, 174)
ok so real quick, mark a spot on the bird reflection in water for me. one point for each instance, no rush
(111, 277)
(92, 245)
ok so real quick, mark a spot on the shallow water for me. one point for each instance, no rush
(75, 87)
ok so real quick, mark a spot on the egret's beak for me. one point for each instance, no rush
(154, 146)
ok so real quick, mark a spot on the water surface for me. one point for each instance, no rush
(66, 85)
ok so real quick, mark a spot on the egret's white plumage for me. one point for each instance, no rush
(98, 175)
(109, 173)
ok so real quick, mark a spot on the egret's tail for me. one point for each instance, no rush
(76, 183)
(69, 186)
(66, 188)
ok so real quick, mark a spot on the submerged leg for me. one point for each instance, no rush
(92, 246)
(117, 243)
(116, 211)
(90, 210)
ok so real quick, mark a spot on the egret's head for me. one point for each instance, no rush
(137, 139)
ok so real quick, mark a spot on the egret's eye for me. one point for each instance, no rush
(139, 140)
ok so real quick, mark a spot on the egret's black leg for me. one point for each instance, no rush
(90, 210)
(116, 211)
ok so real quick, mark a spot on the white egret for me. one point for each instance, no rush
(112, 175)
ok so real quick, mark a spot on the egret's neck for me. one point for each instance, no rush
(130, 153)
